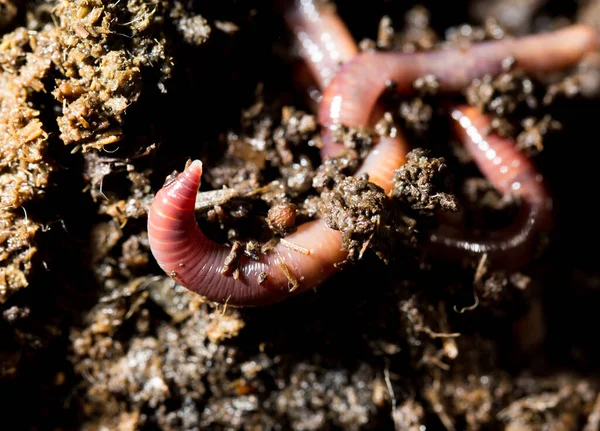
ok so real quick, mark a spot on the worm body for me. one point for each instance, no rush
(325, 44)
(184, 252)
(195, 261)
(353, 93)
(510, 172)
(323, 40)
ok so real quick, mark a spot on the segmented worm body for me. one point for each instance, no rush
(184, 252)
(353, 93)
(325, 45)
(195, 261)
(355, 90)
(510, 172)
(323, 40)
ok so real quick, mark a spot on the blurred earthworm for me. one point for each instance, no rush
(354, 91)
(195, 261)
(325, 45)
(510, 171)
(323, 40)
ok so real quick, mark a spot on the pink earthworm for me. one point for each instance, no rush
(184, 252)
(323, 40)
(325, 45)
(511, 172)
(353, 93)
(194, 261)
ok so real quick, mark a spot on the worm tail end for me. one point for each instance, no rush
(171, 222)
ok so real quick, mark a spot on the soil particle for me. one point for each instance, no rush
(120, 205)
(423, 183)
(531, 139)
(102, 51)
(416, 113)
(359, 139)
(193, 28)
(261, 146)
(409, 416)
(148, 369)
(385, 33)
(135, 253)
(502, 95)
(297, 128)
(334, 170)
(24, 170)
(282, 218)
(231, 260)
(417, 34)
(355, 207)
(15, 313)
(339, 396)
(497, 288)
(560, 404)
(482, 196)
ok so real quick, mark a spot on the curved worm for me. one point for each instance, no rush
(184, 252)
(355, 90)
(510, 172)
(353, 93)
(323, 40)
(325, 45)
(195, 261)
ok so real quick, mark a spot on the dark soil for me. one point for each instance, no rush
(101, 101)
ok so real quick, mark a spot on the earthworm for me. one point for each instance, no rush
(195, 261)
(511, 172)
(325, 44)
(323, 40)
(354, 91)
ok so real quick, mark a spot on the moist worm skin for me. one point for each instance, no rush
(353, 93)
(184, 252)
(510, 172)
(323, 40)
(195, 261)
(325, 44)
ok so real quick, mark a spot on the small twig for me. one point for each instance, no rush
(433, 334)
(294, 247)
(231, 259)
(210, 199)
(293, 282)
(470, 307)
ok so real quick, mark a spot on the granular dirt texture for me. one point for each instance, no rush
(102, 102)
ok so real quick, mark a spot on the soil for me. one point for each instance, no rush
(101, 102)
